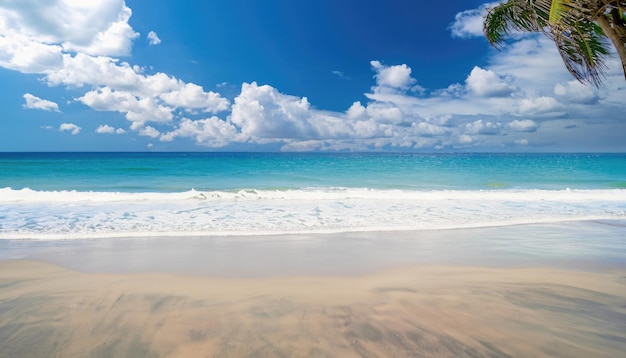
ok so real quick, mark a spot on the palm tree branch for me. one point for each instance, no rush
(507, 17)
(583, 30)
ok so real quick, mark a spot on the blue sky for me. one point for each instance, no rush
(319, 75)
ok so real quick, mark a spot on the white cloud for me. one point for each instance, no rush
(483, 127)
(262, 112)
(487, 83)
(153, 38)
(356, 111)
(123, 88)
(430, 130)
(84, 70)
(106, 129)
(576, 92)
(68, 42)
(149, 131)
(523, 125)
(397, 77)
(469, 23)
(137, 109)
(19, 53)
(210, 132)
(70, 127)
(540, 105)
(385, 112)
(96, 27)
(34, 102)
(496, 104)
(533, 61)
(191, 96)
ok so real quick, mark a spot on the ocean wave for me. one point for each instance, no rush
(27, 195)
(31, 214)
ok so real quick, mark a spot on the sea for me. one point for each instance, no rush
(106, 195)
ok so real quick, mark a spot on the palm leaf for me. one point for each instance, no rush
(572, 24)
(507, 17)
(557, 9)
(584, 51)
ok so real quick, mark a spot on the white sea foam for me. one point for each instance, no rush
(26, 195)
(27, 213)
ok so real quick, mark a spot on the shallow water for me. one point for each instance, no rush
(580, 245)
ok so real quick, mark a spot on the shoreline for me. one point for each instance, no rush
(554, 290)
(620, 222)
(587, 245)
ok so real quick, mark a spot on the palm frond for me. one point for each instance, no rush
(557, 9)
(507, 17)
(583, 30)
(584, 51)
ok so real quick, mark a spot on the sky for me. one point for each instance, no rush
(283, 75)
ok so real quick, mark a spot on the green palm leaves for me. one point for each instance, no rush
(582, 30)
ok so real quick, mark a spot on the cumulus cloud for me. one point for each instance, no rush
(149, 131)
(385, 112)
(70, 43)
(70, 127)
(164, 93)
(19, 53)
(153, 38)
(488, 84)
(210, 132)
(96, 27)
(144, 98)
(34, 102)
(106, 129)
(137, 109)
(356, 111)
(263, 113)
(393, 78)
(191, 96)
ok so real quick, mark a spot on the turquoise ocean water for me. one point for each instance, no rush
(74, 195)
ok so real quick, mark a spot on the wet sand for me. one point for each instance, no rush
(585, 245)
(555, 290)
(411, 311)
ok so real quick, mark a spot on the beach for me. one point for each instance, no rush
(433, 293)
(312, 179)
(312, 255)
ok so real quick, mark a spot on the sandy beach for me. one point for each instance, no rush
(312, 179)
(527, 291)
(411, 311)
